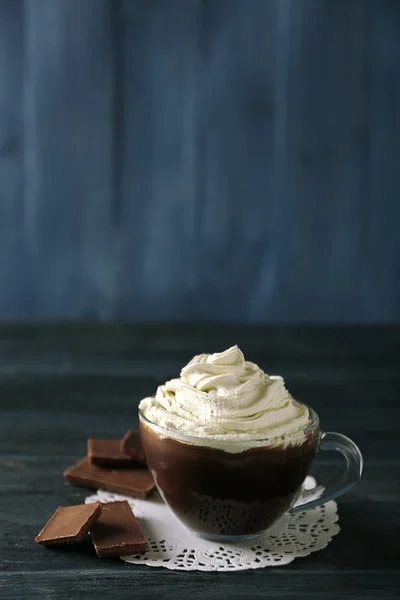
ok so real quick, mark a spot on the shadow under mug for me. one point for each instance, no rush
(235, 495)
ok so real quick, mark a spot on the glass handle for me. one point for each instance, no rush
(352, 472)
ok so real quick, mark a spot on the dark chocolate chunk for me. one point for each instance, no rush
(132, 446)
(137, 483)
(107, 453)
(117, 531)
(69, 524)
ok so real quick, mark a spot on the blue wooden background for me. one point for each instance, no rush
(195, 159)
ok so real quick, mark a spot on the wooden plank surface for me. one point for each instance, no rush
(380, 267)
(323, 206)
(69, 92)
(13, 267)
(197, 159)
(125, 585)
(157, 262)
(60, 384)
(238, 72)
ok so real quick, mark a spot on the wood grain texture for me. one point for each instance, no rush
(68, 156)
(322, 207)
(13, 268)
(60, 384)
(237, 79)
(382, 177)
(157, 265)
(223, 586)
(197, 159)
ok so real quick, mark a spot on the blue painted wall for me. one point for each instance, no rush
(195, 159)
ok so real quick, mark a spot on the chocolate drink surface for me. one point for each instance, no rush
(223, 493)
(227, 445)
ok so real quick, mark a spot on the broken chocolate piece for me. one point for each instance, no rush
(69, 524)
(137, 483)
(117, 531)
(107, 453)
(132, 446)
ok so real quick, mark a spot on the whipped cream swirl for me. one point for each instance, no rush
(227, 402)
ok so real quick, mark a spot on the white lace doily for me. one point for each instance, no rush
(172, 546)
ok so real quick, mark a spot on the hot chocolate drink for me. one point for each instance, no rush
(227, 445)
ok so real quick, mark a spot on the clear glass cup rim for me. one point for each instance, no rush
(291, 437)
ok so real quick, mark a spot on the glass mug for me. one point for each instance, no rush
(236, 496)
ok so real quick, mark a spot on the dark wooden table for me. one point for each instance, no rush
(59, 384)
